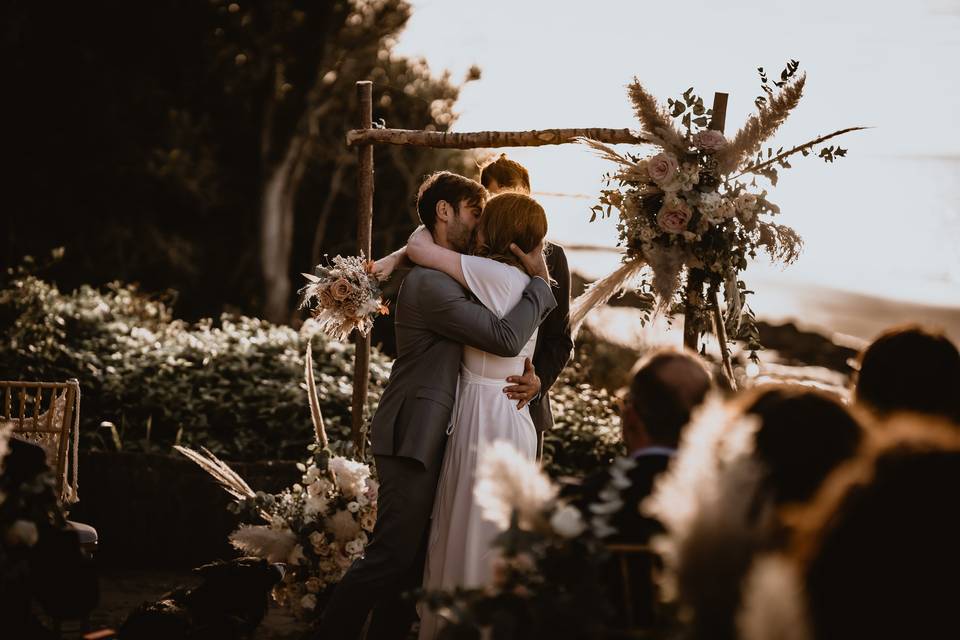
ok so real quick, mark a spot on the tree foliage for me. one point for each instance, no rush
(146, 136)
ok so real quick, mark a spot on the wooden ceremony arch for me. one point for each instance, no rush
(366, 136)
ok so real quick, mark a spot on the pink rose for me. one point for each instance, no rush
(341, 289)
(674, 217)
(351, 310)
(662, 167)
(709, 141)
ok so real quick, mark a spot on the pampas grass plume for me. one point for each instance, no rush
(274, 545)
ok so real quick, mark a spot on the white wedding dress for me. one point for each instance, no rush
(459, 551)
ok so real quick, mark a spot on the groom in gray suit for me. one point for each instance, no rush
(435, 317)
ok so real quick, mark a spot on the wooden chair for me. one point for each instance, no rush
(55, 430)
(50, 427)
(626, 558)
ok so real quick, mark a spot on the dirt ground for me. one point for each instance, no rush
(122, 590)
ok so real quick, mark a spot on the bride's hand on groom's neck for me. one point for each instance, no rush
(534, 263)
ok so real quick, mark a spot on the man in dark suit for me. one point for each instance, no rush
(434, 319)
(666, 388)
(555, 340)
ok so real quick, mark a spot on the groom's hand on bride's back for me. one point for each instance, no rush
(534, 263)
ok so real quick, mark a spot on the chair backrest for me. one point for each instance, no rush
(635, 564)
(44, 414)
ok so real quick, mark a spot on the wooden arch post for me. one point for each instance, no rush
(361, 363)
(696, 278)
(364, 137)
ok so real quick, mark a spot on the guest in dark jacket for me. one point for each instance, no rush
(666, 388)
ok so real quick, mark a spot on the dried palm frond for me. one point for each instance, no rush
(273, 545)
(757, 168)
(781, 242)
(606, 152)
(602, 290)
(221, 472)
(315, 415)
(654, 119)
(760, 126)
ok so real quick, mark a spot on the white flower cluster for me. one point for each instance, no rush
(323, 526)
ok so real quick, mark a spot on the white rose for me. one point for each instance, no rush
(353, 506)
(709, 202)
(22, 533)
(566, 522)
(350, 475)
(308, 602)
(746, 202)
(727, 209)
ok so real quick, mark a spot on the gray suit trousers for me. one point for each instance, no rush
(394, 559)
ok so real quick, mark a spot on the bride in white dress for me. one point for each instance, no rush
(459, 552)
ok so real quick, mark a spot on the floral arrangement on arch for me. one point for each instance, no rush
(343, 296)
(317, 528)
(695, 205)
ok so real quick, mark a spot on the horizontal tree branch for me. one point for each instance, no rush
(488, 139)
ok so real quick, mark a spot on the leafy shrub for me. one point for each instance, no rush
(586, 431)
(233, 386)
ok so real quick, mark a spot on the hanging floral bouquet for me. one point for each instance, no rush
(694, 206)
(317, 528)
(344, 296)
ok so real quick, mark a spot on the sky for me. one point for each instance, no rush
(885, 220)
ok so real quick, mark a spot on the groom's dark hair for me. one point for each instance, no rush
(448, 187)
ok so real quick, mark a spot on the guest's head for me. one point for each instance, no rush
(803, 434)
(510, 218)
(667, 386)
(878, 547)
(450, 206)
(910, 368)
(502, 174)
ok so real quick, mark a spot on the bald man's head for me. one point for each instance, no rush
(666, 388)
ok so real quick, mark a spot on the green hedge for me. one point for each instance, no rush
(234, 386)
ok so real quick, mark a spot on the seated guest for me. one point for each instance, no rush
(910, 368)
(878, 550)
(666, 388)
(664, 391)
(773, 454)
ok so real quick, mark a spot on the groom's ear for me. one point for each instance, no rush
(444, 211)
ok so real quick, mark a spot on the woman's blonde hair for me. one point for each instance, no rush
(510, 217)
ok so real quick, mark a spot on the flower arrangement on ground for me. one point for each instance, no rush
(343, 296)
(694, 205)
(317, 528)
(548, 572)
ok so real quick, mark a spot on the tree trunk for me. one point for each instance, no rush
(276, 234)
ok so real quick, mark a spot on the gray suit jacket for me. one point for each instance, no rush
(434, 318)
